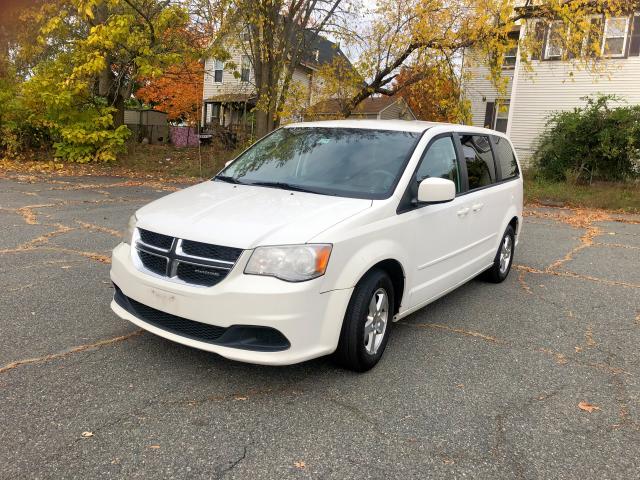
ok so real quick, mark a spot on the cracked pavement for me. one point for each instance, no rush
(484, 383)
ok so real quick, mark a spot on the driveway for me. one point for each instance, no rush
(537, 377)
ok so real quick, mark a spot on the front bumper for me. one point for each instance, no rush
(308, 319)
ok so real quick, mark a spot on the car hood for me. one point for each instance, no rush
(245, 216)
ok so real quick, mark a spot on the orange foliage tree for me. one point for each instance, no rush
(178, 92)
(436, 96)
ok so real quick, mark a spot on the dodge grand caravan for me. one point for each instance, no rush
(318, 237)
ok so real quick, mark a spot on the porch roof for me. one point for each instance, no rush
(232, 98)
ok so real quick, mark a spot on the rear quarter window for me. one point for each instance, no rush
(506, 158)
(481, 169)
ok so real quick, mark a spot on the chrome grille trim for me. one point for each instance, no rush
(181, 252)
(174, 257)
(140, 243)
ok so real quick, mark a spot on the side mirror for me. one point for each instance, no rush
(228, 163)
(436, 190)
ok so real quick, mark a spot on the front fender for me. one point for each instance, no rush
(350, 261)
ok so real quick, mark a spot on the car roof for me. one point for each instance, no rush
(397, 125)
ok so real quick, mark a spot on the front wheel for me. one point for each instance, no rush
(503, 259)
(365, 329)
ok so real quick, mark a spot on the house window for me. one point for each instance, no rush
(245, 68)
(615, 36)
(218, 67)
(511, 54)
(554, 40)
(245, 35)
(502, 116)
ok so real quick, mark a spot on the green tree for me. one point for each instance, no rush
(85, 62)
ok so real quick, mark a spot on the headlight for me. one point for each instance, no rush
(127, 234)
(293, 263)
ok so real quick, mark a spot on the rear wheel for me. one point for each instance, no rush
(503, 259)
(365, 329)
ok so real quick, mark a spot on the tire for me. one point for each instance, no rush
(355, 352)
(499, 271)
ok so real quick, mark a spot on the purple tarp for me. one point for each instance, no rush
(184, 136)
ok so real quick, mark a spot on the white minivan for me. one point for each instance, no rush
(319, 236)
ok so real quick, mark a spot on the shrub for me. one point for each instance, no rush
(595, 142)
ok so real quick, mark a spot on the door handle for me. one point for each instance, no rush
(477, 207)
(463, 211)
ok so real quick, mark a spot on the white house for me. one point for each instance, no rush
(229, 90)
(554, 82)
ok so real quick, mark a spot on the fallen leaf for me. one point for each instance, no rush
(300, 465)
(460, 385)
(448, 461)
(587, 407)
(578, 349)
(87, 434)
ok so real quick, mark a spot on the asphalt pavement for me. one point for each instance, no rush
(538, 377)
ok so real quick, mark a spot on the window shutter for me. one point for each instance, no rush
(489, 114)
(539, 31)
(634, 44)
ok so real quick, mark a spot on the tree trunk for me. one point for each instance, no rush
(262, 123)
(118, 115)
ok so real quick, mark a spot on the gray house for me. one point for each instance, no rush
(229, 93)
(375, 108)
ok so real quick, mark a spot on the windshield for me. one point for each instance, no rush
(349, 162)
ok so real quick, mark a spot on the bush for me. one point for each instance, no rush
(591, 143)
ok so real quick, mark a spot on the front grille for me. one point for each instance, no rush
(183, 261)
(198, 249)
(172, 323)
(155, 239)
(200, 274)
(155, 263)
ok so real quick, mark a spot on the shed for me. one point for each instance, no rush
(147, 123)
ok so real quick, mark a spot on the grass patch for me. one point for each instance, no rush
(624, 197)
(140, 161)
(169, 161)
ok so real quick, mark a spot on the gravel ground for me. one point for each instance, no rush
(484, 383)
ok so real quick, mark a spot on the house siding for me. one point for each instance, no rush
(479, 87)
(556, 86)
(230, 83)
(396, 111)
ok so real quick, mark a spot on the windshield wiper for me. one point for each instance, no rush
(225, 178)
(283, 186)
